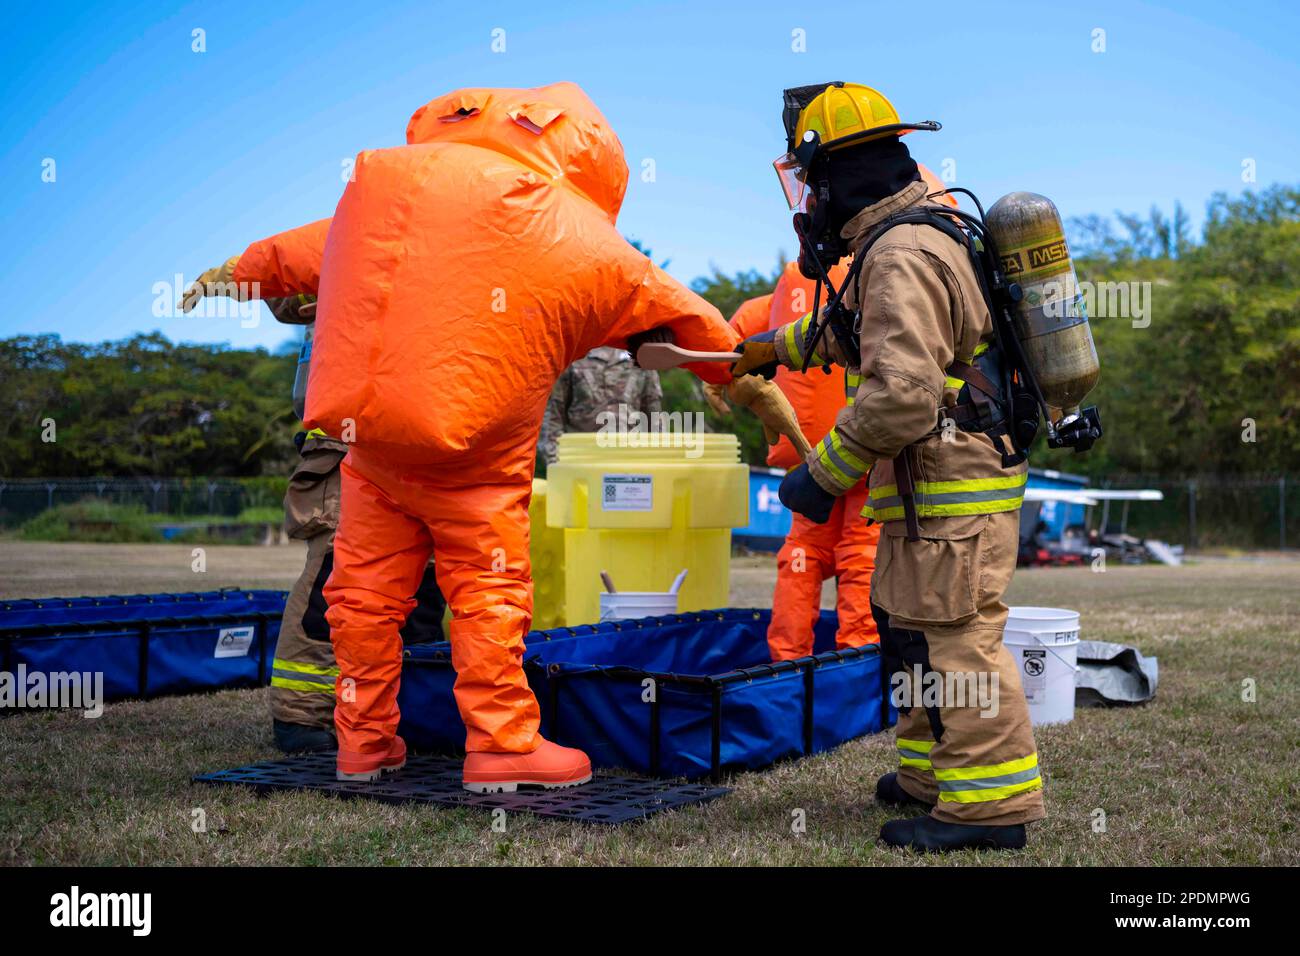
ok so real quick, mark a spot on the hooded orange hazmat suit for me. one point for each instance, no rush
(460, 275)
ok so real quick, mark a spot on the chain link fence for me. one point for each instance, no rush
(1207, 512)
(22, 499)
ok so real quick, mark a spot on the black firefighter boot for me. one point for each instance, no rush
(297, 739)
(928, 835)
(889, 791)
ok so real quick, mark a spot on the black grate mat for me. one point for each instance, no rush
(436, 780)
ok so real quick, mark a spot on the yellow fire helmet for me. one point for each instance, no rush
(830, 116)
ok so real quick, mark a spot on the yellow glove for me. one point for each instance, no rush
(773, 409)
(757, 356)
(218, 281)
(716, 396)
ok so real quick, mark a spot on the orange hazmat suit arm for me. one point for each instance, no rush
(287, 263)
(660, 301)
(750, 318)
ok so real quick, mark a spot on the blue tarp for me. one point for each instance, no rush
(684, 695)
(147, 645)
(769, 520)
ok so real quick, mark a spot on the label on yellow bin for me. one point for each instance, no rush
(627, 492)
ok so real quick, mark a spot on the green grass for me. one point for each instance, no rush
(91, 520)
(262, 514)
(1199, 777)
(94, 520)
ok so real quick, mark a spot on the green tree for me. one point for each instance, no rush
(143, 406)
(1221, 356)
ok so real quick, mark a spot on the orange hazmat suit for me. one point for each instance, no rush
(460, 275)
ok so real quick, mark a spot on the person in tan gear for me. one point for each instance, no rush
(945, 485)
(304, 670)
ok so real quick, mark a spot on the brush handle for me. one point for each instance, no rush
(660, 356)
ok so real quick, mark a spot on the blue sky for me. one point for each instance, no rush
(168, 161)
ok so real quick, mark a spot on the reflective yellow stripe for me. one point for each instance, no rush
(910, 753)
(997, 793)
(795, 333)
(895, 512)
(908, 758)
(852, 381)
(937, 499)
(792, 338)
(969, 484)
(317, 433)
(993, 770)
(954, 383)
(992, 782)
(847, 455)
(840, 477)
(845, 467)
(301, 685)
(283, 665)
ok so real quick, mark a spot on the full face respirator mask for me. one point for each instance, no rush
(813, 178)
(820, 244)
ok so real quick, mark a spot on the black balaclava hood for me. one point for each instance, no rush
(861, 176)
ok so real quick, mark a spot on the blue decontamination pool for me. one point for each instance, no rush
(686, 695)
(147, 645)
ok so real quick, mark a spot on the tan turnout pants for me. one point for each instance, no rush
(303, 673)
(965, 741)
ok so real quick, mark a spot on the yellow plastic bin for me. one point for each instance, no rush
(546, 554)
(643, 511)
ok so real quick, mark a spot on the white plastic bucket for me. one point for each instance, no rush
(1044, 643)
(624, 605)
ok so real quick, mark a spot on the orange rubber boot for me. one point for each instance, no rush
(367, 768)
(550, 766)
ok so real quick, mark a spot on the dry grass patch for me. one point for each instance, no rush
(1198, 778)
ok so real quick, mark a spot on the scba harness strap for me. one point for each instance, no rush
(981, 381)
(991, 395)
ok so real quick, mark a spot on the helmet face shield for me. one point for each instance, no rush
(793, 175)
